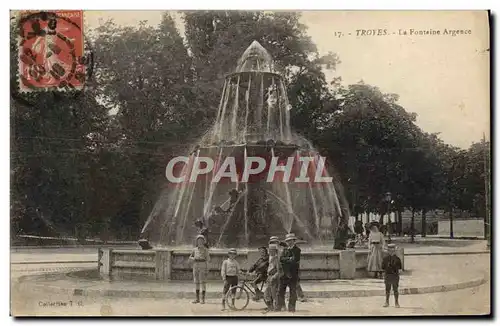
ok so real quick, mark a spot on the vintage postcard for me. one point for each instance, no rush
(250, 163)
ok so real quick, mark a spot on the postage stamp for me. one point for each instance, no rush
(51, 48)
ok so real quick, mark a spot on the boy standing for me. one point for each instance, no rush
(200, 258)
(391, 264)
(229, 272)
(273, 278)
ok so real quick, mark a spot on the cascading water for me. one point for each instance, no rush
(253, 120)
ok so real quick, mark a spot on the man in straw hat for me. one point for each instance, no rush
(200, 258)
(280, 245)
(290, 263)
(391, 264)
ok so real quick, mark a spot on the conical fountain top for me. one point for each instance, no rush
(255, 58)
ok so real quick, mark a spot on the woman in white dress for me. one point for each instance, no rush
(376, 244)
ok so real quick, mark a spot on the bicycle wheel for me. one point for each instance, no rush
(239, 299)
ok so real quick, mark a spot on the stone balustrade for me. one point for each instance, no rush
(171, 264)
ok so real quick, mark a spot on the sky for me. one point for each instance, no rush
(443, 78)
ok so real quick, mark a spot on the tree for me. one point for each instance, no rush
(51, 148)
(148, 80)
(366, 137)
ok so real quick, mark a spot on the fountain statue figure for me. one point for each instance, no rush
(253, 119)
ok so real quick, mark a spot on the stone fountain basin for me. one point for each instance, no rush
(174, 264)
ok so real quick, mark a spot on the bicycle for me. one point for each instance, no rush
(238, 297)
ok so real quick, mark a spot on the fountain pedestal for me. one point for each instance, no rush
(347, 264)
(168, 264)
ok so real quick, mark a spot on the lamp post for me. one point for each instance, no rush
(388, 199)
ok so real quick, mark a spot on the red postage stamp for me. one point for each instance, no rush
(51, 49)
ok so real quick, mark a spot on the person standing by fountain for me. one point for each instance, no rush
(290, 263)
(275, 240)
(376, 244)
(391, 264)
(229, 272)
(273, 278)
(200, 258)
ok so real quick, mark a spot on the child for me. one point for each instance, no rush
(201, 257)
(391, 264)
(273, 278)
(229, 272)
(260, 268)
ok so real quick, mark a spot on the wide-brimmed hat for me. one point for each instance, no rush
(290, 236)
(232, 251)
(274, 239)
(200, 236)
(391, 246)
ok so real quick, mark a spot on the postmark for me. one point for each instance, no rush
(51, 51)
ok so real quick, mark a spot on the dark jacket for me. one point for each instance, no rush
(391, 265)
(290, 262)
(260, 266)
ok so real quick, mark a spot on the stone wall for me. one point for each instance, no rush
(462, 228)
(164, 264)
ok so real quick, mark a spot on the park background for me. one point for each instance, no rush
(92, 165)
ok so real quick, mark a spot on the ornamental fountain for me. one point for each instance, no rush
(253, 120)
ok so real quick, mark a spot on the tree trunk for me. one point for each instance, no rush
(451, 223)
(424, 223)
(412, 227)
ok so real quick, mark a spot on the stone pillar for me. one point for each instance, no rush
(163, 268)
(400, 252)
(104, 262)
(347, 262)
